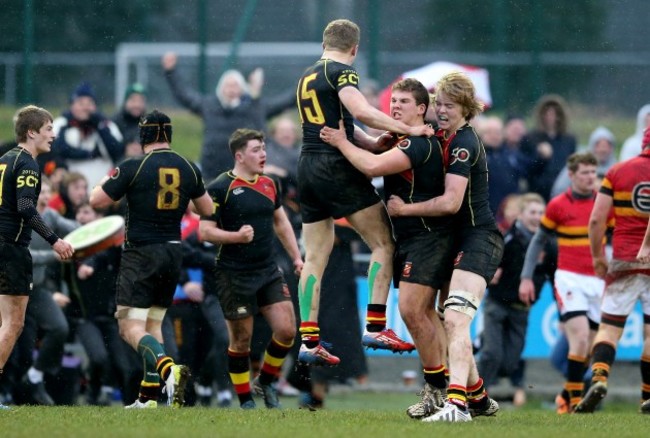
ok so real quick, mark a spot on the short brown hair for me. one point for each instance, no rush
(461, 90)
(341, 35)
(30, 118)
(240, 138)
(415, 87)
(577, 158)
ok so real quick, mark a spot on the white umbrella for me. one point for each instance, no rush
(430, 74)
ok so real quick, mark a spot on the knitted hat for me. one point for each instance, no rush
(83, 89)
(134, 88)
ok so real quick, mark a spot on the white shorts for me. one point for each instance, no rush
(623, 291)
(579, 293)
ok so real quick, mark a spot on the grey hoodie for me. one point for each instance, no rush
(632, 146)
(562, 182)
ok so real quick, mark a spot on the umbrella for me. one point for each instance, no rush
(430, 74)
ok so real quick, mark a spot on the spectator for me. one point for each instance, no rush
(74, 192)
(506, 316)
(127, 119)
(549, 144)
(111, 363)
(235, 104)
(86, 141)
(601, 144)
(282, 149)
(505, 164)
(632, 145)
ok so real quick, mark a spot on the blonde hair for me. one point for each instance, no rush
(459, 88)
(341, 35)
(528, 198)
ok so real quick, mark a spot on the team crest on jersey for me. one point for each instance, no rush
(458, 258)
(115, 173)
(459, 154)
(404, 144)
(406, 271)
(238, 191)
(641, 197)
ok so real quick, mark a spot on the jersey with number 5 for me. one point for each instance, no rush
(19, 178)
(158, 187)
(319, 103)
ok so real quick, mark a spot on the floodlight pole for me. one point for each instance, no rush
(202, 19)
(28, 50)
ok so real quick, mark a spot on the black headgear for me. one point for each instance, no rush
(155, 127)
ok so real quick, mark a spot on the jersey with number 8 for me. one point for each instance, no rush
(158, 187)
(319, 103)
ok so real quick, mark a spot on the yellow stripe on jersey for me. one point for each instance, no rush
(573, 230)
(583, 241)
(622, 196)
(546, 222)
(628, 211)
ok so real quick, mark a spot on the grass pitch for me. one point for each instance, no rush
(347, 415)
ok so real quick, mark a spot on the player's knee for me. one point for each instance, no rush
(15, 327)
(156, 314)
(461, 302)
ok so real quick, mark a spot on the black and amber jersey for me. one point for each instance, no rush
(158, 187)
(319, 104)
(465, 156)
(628, 183)
(425, 180)
(20, 185)
(239, 202)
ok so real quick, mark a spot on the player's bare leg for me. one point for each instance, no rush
(373, 225)
(318, 239)
(417, 308)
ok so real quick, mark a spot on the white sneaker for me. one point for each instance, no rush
(149, 404)
(450, 413)
(175, 385)
(432, 400)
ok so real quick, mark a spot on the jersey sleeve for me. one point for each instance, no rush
(279, 194)
(199, 189)
(463, 152)
(27, 179)
(217, 194)
(417, 149)
(550, 218)
(344, 77)
(120, 179)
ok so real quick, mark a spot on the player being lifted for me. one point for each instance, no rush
(331, 188)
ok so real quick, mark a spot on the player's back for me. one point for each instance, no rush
(162, 183)
(319, 104)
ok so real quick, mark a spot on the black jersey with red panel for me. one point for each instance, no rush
(20, 185)
(425, 180)
(319, 103)
(158, 187)
(465, 156)
(241, 202)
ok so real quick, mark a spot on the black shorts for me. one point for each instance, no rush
(15, 270)
(479, 250)
(149, 275)
(424, 259)
(330, 186)
(242, 293)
